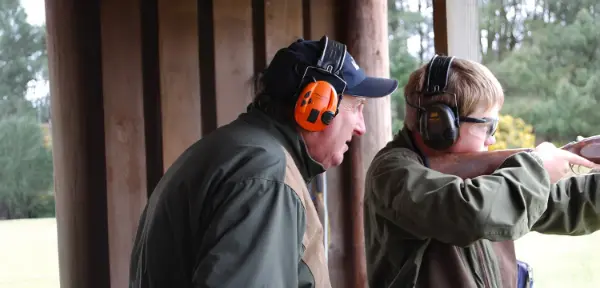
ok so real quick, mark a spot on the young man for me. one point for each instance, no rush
(425, 228)
(234, 210)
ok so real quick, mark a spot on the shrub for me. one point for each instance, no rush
(513, 132)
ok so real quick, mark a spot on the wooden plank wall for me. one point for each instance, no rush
(134, 83)
(180, 94)
(123, 95)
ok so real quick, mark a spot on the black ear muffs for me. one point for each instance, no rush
(438, 122)
(439, 126)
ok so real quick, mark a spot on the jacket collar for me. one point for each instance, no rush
(290, 138)
(405, 139)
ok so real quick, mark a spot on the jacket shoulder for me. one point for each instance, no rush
(394, 156)
(244, 152)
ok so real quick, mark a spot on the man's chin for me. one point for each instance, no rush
(337, 161)
(333, 161)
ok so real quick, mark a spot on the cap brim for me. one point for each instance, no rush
(373, 87)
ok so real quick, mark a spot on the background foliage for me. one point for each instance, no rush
(25, 154)
(513, 133)
(544, 52)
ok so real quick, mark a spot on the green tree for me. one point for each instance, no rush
(544, 52)
(25, 160)
(22, 58)
(404, 23)
(25, 167)
(557, 76)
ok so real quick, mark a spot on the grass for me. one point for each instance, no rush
(561, 261)
(28, 253)
(29, 257)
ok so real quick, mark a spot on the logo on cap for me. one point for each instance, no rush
(354, 63)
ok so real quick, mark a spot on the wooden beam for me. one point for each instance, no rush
(440, 32)
(462, 22)
(74, 65)
(179, 76)
(367, 41)
(234, 54)
(124, 129)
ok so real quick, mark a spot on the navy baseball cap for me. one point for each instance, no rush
(284, 73)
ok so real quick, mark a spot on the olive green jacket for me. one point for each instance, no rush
(234, 211)
(424, 228)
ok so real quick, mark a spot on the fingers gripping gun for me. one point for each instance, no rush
(471, 165)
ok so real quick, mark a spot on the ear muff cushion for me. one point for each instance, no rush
(439, 126)
(316, 106)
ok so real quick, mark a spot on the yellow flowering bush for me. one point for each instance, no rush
(513, 132)
(47, 135)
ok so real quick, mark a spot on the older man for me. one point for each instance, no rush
(234, 210)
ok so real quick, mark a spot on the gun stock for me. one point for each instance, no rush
(470, 165)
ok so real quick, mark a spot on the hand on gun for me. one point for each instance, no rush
(557, 161)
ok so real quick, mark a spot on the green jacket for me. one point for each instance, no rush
(234, 211)
(428, 229)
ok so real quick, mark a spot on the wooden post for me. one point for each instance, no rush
(367, 41)
(440, 31)
(78, 134)
(462, 25)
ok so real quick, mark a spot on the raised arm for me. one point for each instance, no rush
(573, 207)
(429, 204)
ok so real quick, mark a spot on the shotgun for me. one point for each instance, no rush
(470, 165)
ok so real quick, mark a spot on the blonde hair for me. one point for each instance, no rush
(474, 85)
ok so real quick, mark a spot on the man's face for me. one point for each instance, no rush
(476, 137)
(328, 146)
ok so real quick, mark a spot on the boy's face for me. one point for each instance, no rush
(475, 137)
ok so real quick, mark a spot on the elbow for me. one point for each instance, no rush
(468, 238)
(489, 228)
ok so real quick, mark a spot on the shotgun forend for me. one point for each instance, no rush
(470, 165)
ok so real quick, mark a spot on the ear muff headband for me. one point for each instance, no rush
(438, 122)
(318, 101)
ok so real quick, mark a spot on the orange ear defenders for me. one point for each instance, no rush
(318, 101)
(317, 106)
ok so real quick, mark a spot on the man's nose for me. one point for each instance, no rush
(361, 127)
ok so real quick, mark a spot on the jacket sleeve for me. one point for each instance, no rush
(429, 204)
(254, 239)
(573, 207)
